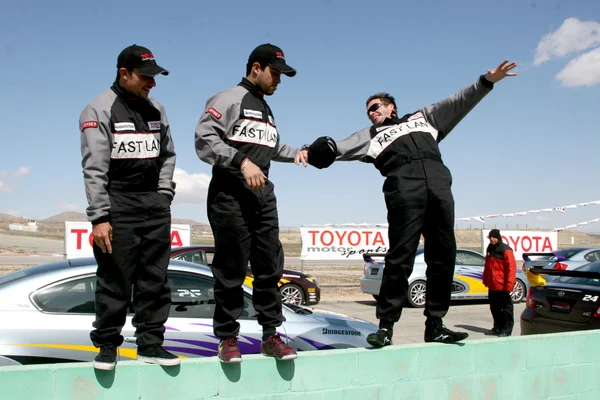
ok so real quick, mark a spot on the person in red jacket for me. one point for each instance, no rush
(499, 276)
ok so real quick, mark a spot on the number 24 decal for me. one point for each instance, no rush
(589, 297)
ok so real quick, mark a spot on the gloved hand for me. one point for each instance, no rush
(322, 152)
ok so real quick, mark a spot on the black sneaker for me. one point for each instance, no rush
(492, 332)
(439, 333)
(156, 354)
(107, 358)
(383, 337)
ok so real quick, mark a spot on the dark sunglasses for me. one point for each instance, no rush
(374, 107)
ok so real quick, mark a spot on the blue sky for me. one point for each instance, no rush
(531, 144)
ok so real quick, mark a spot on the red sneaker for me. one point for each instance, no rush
(229, 352)
(275, 347)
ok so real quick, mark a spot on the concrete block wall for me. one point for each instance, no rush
(559, 366)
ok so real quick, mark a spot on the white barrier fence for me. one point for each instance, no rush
(350, 243)
(327, 243)
(79, 238)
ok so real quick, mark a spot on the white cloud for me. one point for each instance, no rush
(572, 36)
(540, 218)
(5, 187)
(191, 188)
(69, 206)
(582, 71)
(2, 173)
(23, 171)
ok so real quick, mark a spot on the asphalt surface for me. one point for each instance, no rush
(473, 317)
(38, 250)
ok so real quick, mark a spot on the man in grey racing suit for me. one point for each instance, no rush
(237, 134)
(128, 161)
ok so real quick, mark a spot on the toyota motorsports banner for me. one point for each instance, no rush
(79, 238)
(525, 241)
(342, 243)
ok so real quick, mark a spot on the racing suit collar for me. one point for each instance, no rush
(251, 88)
(390, 121)
(118, 89)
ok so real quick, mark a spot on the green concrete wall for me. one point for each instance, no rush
(565, 366)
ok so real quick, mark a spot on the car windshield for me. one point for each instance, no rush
(38, 269)
(591, 267)
(566, 253)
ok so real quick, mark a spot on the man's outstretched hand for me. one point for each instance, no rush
(501, 71)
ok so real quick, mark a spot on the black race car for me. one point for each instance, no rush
(570, 302)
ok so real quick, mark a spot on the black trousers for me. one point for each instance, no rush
(245, 226)
(502, 309)
(416, 206)
(141, 223)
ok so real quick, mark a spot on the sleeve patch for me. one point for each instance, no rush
(416, 116)
(214, 113)
(89, 124)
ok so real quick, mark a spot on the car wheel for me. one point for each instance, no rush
(292, 294)
(416, 294)
(518, 293)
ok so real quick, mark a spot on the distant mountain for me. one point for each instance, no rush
(76, 216)
(66, 216)
(186, 221)
(11, 218)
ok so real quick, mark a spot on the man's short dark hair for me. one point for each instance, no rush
(385, 98)
(249, 65)
(119, 73)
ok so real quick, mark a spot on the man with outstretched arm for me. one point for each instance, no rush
(418, 197)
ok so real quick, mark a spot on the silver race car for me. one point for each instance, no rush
(47, 313)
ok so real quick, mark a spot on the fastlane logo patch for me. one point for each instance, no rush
(124, 126)
(135, 146)
(214, 113)
(88, 124)
(250, 131)
(253, 114)
(387, 136)
(154, 125)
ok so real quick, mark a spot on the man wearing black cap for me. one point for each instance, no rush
(499, 276)
(237, 134)
(128, 161)
(418, 197)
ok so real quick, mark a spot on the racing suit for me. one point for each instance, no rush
(128, 161)
(238, 124)
(418, 196)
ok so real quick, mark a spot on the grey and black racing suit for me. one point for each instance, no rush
(238, 124)
(128, 162)
(418, 196)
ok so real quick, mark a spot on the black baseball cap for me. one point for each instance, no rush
(141, 59)
(273, 56)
